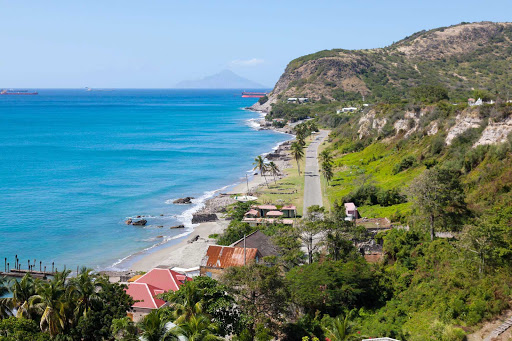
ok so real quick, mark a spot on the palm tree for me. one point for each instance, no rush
(197, 328)
(325, 156)
(22, 291)
(83, 291)
(298, 153)
(327, 171)
(259, 163)
(124, 329)
(5, 303)
(188, 304)
(274, 170)
(340, 328)
(50, 303)
(153, 326)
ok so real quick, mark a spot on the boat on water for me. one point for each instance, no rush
(17, 92)
(254, 94)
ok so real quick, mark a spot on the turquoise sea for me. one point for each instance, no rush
(75, 164)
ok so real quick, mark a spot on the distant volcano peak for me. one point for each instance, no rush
(226, 79)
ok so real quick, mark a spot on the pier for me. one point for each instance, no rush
(17, 271)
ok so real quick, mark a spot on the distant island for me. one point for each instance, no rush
(225, 79)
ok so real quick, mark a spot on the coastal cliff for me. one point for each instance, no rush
(460, 57)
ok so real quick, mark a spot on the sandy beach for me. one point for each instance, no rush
(187, 254)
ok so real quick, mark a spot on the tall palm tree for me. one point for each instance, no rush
(326, 170)
(325, 156)
(274, 170)
(259, 163)
(50, 303)
(298, 153)
(5, 303)
(84, 292)
(197, 328)
(186, 305)
(22, 291)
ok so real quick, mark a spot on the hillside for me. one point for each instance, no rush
(459, 57)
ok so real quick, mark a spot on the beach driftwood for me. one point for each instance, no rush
(203, 217)
(181, 201)
(141, 222)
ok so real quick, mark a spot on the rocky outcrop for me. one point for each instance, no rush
(177, 227)
(198, 218)
(182, 201)
(141, 222)
(468, 119)
(495, 132)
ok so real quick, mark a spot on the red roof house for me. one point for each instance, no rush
(218, 258)
(145, 289)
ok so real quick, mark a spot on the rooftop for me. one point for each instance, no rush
(222, 257)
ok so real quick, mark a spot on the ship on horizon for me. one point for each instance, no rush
(254, 94)
(17, 92)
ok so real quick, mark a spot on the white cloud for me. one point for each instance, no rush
(248, 62)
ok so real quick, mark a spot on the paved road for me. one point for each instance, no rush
(312, 187)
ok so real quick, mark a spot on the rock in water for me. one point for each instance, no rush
(203, 217)
(141, 222)
(181, 201)
(128, 222)
(178, 227)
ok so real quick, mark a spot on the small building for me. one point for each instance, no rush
(266, 221)
(258, 240)
(252, 213)
(289, 211)
(472, 102)
(351, 211)
(145, 288)
(292, 100)
(264, 209)
(303, 99)
(218, 258)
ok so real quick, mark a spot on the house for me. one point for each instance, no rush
(351, 211)
(264, 209)
(303, 100)
(292, 100)
(266, 221)
(471, 101)
(298, 100)
(289, 211)
(218, 258)
(258, 240)
(349, 109)
(145, 288)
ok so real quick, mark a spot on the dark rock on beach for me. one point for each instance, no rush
(141, 222)
(182, 201)
(193, 239)
(203, 217)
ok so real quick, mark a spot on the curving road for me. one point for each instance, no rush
(312, 187)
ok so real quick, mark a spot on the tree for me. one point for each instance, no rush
(259, 163)
(274, 170)
(153, 326)
(325, 156)
(84, 292)
(307, 231)
(198, 327)
(340, 328)
(50, 304)
(261, 293)
(124, 329)
(438, 193)
(289, 248)
(22, 291)
(298, 153)
(327, 171)
(21, 329)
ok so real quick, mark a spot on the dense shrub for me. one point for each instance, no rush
(406, 163)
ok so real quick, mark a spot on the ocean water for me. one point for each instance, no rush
(74, 165)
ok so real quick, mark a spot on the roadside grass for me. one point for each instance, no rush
(290, 189)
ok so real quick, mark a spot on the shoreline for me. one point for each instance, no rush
(184, 254)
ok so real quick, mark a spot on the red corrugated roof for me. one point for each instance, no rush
(226, 256)
(164, 279)
(145, 294)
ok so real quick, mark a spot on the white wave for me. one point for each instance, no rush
(253, 123)
(197, 204)
(164, 240)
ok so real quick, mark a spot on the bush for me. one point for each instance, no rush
(406, 163)
(263, 100)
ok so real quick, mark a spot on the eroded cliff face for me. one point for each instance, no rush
(468, 119)
(495, 132)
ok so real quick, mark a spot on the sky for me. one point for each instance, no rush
(156, 44)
